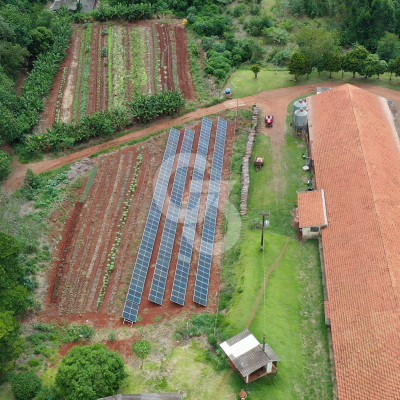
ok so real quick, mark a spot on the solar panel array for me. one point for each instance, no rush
(210, 219)
(168, 236)
(135, 291)
(189, 228)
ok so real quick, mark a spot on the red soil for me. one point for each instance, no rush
(72, 62)
(92, 84)
(165, 49)
(80, 259)
(124, 347)
(49, 114)
(184, 75)
(98, 71)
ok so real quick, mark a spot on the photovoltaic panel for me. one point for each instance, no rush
(134, 295)
(171, 222)
(210, 218)
(189, 228)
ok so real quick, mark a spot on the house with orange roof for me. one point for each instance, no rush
(355, 151)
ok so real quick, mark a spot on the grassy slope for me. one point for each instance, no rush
(267, 80)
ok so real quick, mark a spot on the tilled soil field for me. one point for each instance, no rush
(82, 256)
(106, 65)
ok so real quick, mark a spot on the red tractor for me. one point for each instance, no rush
(269, 119)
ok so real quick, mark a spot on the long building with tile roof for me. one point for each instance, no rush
(356, 154)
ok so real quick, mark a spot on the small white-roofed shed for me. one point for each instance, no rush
(251, 359)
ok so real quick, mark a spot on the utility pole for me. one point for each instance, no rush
(237, 104)
(264, 214)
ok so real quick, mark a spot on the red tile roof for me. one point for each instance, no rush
(356, 155)
(311, 207)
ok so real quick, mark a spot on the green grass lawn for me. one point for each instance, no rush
(267, 80)
(291, 314)
(185, 369)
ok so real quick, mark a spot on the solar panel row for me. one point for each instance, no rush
(207, 239)
(168, 236)
(189, 228)
(134, 295)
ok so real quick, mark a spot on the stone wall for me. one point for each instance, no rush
(246, 162)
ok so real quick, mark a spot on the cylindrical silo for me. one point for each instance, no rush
(300, 118)
(300, 104)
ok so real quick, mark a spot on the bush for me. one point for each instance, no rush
(84, 367)
(48, 392)
(74, 332)
(33, 362)
(146, 108)
(255, 25)
(255, 10)
(112, 337)
(239, 10)
(25, 385)
(208, 42)
(5, 165)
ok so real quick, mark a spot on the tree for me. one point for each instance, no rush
(42, 38)
(276, 35)
(353, 61)
(255, 25)
(388, 47)
(395, 65)
(12, 57)
(381, 67)
(255, 69)
(371, 65)
(332, 62)
(390, 67)
(5, 165)
(90, 372)
(13, 296)
(299, 65)
(11, 343)
(313, 42)
(141, 349)
(25, 385)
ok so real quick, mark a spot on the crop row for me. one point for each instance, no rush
(119, 68)
(157, 69)
(117, 240)
(60, 93)
(139, 76)
(75, 108)
(86, 70)
(109, 64)
(99, 74)
(82, 240)
(148, 65)
(174, 61)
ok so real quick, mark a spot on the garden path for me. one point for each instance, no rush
(272, 101)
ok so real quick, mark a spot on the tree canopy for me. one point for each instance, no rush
(299, 65)
(25, 385)
(255, 68)
(388, 47)
(141, 349)
(353, 61)
(90, 372)
(314, 42)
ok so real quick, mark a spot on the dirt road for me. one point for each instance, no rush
(272, 102)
